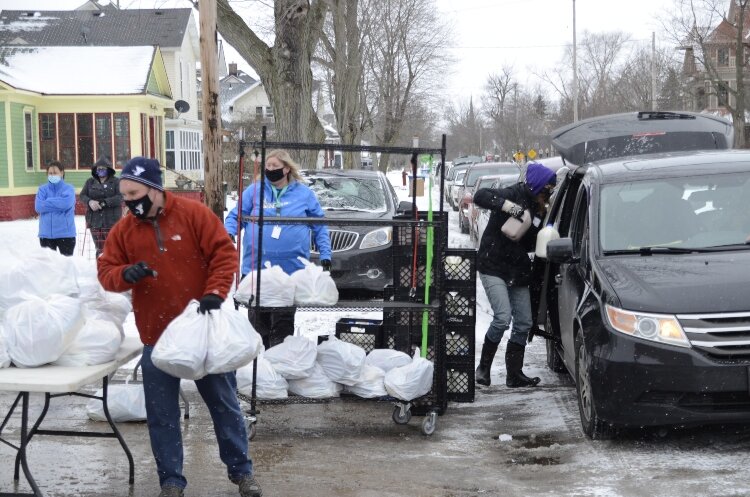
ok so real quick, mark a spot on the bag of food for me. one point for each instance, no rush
(387, 359)
(313, 285)
(269, 384)
(370, 384)
(276, 288)
(232, 340)
(181, 350)
(38, 272)
(125, 403)
(342, 362)
(4, 355)
(411, 381)
(96, 343)
(294, 358)
(315, 386)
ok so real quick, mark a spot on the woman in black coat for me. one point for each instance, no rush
(101, 194)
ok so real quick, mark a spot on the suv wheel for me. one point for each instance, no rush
(554, 361)
(593, 427)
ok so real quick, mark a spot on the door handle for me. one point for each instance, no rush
(558, 278)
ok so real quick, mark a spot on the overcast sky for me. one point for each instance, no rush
(530, 35)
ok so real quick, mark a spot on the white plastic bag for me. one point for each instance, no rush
(315, 386)
(88, 278)
(411, 381)
(232, 340)
(4, 355)
(38, 330)
(342, 362)
(37, 271)
(387, 359)
(268, 383)
(181, 349)
(96, 343)
(370, 384)
(294, 358)
(125, 403)
(276, 288)
(110, 306)
(313, 285)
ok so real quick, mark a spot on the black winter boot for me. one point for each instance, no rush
(489, 348)
(513, 364)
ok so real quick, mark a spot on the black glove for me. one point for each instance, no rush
(210, 302)
(233, 238)
(326, 265)
(102, 204)
(137, 272)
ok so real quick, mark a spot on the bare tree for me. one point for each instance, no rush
(285, 67)
(710, 34)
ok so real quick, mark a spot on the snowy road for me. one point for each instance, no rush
(510, 443)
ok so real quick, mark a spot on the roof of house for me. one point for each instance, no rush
(130, 27)
(232, 87)
(78, 70)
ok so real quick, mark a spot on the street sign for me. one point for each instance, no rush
(518, 156)
(532, 154)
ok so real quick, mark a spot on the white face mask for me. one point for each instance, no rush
(54, 179)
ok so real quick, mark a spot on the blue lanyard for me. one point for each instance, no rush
(277, 198)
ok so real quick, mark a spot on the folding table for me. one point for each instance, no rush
(59, 381)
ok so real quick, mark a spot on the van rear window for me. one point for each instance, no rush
(651, 143)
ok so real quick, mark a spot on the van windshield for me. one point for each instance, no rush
(687, 212)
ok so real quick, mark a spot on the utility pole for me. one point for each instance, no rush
(575, 67)
(211, 115)
(653, 71)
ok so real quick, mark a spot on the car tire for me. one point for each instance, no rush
(593, 426)
(554, 361)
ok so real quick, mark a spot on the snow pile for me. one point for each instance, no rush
(53, 310)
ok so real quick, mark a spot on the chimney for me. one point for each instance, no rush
(233, 69)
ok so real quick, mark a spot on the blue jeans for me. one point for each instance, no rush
(219, 392)
(507, 302)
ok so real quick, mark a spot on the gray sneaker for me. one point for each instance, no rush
(249, 487)
(171, 491)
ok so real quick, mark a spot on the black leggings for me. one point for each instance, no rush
(66, 246)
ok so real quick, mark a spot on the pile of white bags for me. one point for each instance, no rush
(194, 344)
(53, 309)
(4, 355)
(316, 385)
(309, 286)
(276, 288)
(387, 359)
(342, 362)
(313, 285)
(411, 381)
(294, 358)
(370, 384)
(125, 403)
(269, 384)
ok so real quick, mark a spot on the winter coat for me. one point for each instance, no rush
(56, 207)
(498, 255)
(188, 248)
(294, 240)
(108, 192)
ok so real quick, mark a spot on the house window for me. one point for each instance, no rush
(85, 128)
(259, 112)
(269, 112)
(722, 56)
(103, 128)
(190, 151)
(78, 140)
(48, 138)
(169, 148)
(28, 139)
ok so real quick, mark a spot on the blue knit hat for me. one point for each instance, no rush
(143, 170)
(539, 176)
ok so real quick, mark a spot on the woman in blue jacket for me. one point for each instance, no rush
(285, 195)
(55, 203)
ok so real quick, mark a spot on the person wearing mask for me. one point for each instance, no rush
(285, 195)
(505, 269)
(101, 195)
(55, 203)
(168, 251)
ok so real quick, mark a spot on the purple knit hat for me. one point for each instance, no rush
(539, 176)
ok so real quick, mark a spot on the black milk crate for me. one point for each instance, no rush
(459, 268)
(403, 235)
(366, 333)
(459, 305)
(459, 381)
(459, 343)
(404, 264)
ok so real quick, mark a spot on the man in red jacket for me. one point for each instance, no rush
(170, 250)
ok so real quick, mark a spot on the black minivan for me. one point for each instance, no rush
(647, 290)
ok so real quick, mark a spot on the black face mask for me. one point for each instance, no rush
(274, 175)
(140, 206)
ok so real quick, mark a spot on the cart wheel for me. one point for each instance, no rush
(401, 415)
(429, 423)
(251, 431)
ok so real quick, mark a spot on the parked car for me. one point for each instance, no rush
(465, 193)
(483, 215)
(458, 182)
(361, 254)
(450, 178)
(645, 301)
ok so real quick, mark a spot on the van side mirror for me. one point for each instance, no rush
(404, 206)
(561, 251)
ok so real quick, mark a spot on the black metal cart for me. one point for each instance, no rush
(403, 305)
